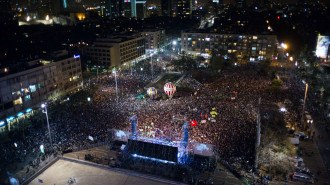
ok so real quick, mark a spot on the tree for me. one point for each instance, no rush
(24, 124)
(264, 67)
(145, 65)
(185, 63)
(217, 62)
(276, 86)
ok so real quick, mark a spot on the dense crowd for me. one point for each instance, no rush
(229, 124)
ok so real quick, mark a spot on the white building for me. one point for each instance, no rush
(45, 80)
(115, 50)
(254, 47)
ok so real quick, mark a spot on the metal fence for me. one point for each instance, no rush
(91, 146)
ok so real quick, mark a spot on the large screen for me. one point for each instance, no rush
(322, 46)
(153, 150)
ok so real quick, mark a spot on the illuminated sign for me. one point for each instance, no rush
(42, 149)
(11, 118)
(322, 46)
(20, 114)
(2, 123)
(76, 56)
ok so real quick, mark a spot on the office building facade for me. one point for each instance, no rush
(184, 8)
(155, 39)
(51, 80)
(115, 50)
(255, 47)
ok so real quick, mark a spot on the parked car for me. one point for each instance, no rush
(300, 135)
(302, 177)
(298, 159)
(305, 171)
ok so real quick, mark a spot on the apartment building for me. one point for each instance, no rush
(45, 80)
(115, 50)
(155, 39)
(254, 47)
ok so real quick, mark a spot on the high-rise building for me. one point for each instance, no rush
(241, 3)
(111, 8)
(184, 8)
(133, 8)
(155, 39)
(166, 6)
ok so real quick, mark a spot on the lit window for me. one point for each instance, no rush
(255, 37)
(254, 48)
(27, 98)
(33, 88)
(18, 101)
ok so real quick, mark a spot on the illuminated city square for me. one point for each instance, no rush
(164, 92)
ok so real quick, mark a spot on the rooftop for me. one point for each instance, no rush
(27, 64)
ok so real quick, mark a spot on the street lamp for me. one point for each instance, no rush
(303, 111)
(44, 110)
(114, 71)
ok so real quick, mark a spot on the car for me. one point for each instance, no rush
(305, 171)
(309, 118)
(299, 164)
(300, 135)
(302, 177)
(298, 159)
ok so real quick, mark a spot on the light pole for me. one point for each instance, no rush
(303, 111)
(152, 67)
(114, 70)
(257, 146)
(44, 110)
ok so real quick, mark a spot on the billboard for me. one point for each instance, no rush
(322, 46)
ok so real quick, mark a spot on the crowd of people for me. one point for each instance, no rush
(231, 128)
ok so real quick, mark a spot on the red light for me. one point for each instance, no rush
(278, 17)
(193, 123)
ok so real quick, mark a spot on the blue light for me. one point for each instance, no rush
(28, 110)
(20, 114)
(65, 4)
(11, 118)
(76, 56)
(153, 159)
(2, 123)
